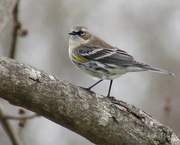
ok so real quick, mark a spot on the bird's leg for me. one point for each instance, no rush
(111, 81)
(89, 88)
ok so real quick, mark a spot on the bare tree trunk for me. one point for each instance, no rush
(101, 120)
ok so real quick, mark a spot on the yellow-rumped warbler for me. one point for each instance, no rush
(101, 60)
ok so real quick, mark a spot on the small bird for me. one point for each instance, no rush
(101, 60)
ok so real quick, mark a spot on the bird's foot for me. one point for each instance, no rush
(88, 89)
(111, 98)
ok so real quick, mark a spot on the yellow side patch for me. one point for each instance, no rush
(80, 59)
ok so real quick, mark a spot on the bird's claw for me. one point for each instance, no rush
(111, 98)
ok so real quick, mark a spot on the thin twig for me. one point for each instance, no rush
(4, 121)
(16, 26)
(20, 117)
(9, 130)
(167, 110)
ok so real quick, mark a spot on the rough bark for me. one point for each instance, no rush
(101, 120)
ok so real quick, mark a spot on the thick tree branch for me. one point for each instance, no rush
(97, 118)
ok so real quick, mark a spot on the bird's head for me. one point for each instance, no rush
(79, 35)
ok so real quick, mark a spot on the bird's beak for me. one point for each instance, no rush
(72, 33)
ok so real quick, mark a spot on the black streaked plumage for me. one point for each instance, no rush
(99, 59)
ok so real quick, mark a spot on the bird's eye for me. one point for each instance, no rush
(81, 33)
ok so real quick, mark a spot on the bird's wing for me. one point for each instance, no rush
(106, 55)
(114, 56)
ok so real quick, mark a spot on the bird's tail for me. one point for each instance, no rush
(149, 68)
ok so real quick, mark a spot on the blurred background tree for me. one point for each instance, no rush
(148, 30)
